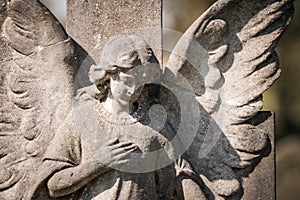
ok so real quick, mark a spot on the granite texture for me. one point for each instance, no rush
(118, 125)
(93, 22)
(260, 184)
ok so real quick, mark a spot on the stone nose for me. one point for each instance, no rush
(130, 90)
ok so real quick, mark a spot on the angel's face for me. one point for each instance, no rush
(125, 87)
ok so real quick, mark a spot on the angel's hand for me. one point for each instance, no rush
(114, 153)
(109, 156)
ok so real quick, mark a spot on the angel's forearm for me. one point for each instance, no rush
(70, 180)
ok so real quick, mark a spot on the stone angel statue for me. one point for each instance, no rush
(103, 141)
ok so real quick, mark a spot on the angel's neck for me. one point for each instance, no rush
(118, 109)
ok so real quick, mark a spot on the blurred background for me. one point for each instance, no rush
(283, 98)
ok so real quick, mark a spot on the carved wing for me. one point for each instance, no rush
(228, 56)
(35, 90)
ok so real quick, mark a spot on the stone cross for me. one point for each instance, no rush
(101, 20)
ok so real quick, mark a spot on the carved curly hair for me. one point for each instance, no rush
(121, 53)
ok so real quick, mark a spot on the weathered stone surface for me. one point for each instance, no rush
(225, 55)
(190, 131)
(36, 87)
(93, 22)
(260, 184)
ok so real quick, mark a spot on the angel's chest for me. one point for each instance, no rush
(145, 138)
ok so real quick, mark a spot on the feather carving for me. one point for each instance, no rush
(231, 51)
(35, 90)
